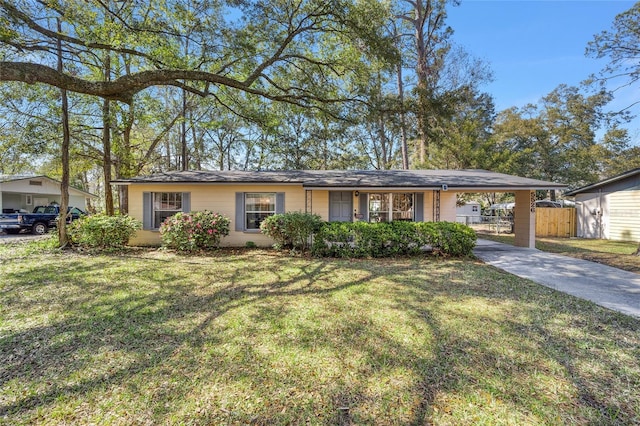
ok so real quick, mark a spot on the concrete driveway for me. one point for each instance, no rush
(16, 238)
(610, 287)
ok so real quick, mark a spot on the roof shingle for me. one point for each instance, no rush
(360, 179)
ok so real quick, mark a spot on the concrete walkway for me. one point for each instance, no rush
(606, 286)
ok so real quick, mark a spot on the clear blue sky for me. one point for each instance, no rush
(534, 46)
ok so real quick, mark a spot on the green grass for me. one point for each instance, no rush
(618, 254)
(255, 337)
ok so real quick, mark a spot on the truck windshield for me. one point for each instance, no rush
(45, 209)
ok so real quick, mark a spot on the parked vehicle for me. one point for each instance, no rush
(39, 221)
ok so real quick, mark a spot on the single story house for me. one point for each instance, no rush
(247, 197)
(610, 209)
(24, 192)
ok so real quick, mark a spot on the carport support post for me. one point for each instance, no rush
(524, 214)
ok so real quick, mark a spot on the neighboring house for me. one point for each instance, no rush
(248, 197)
(610, 209)
(469, 213)
(23, 193)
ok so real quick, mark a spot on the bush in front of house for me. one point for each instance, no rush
(291, 229)
(102, 231)
(449, 238)
(194, 231)
(363, 239)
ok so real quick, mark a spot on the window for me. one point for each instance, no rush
(384, 207)
(28, 200)
(378, 207)
(165, 204)
(35, 182)
(257, 207)
(474, 208)
(253, 207)
(157, 206)
(402, 206)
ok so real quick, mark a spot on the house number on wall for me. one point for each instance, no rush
(532, 201)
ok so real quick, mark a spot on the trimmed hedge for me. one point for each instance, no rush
(363, 239)
(291, 229)
(102, 231)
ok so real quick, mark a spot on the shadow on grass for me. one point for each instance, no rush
(545, 336)
(290, 339)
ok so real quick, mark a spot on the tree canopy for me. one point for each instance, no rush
(274, 84)
(281, 50)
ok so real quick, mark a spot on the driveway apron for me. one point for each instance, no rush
(604, 285)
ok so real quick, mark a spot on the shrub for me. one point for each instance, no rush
(194, 231)
(449, 238)
(362, 239)
(102, 231)
(291, 229)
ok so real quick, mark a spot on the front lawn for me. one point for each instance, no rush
(618, 254)
(256, 337)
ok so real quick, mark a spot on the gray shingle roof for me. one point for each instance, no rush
(360, 179)
(605, 182)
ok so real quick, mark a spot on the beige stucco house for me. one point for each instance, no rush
(247, 197)
(24, 192)
(610, 209)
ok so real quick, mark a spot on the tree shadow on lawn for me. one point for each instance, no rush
(95, 316)
(546, 357)
(291, 339)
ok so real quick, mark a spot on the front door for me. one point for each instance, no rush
(340, 206)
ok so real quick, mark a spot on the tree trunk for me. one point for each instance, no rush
(106, 143)
(422, 72)
(183, 134)
(63, 238)
(126, 168)
(403, 125)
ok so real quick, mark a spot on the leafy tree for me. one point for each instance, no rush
(466, 135)
(615, 154)
(27, 128)
(425, 21)
(621, 46)
(255, 54)
(554, 140)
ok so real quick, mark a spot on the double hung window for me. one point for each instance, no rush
(165, 204)
(157, 206)
(257, 207)
(254, 207)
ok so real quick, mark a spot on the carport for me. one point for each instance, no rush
(524, 189)
(24, 192)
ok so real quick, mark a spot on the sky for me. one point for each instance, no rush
(534, 46)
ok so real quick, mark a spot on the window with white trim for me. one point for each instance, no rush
(257, 207)
(379, 207)
(165, 204)
(402, 206)
(384, 207)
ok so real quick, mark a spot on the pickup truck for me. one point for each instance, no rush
(39, 221)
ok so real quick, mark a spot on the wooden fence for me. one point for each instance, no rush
(555, 222)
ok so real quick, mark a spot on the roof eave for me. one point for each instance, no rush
(602, 183)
